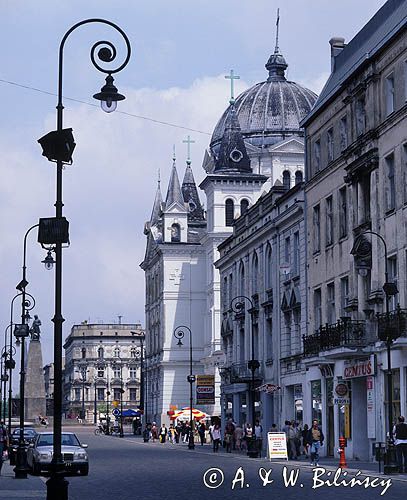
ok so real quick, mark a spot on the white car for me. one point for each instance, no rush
(75, 457)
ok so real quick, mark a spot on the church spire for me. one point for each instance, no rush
(276, 65)
(155, 214)
(191, 197)
(232, 155)
(174, 194)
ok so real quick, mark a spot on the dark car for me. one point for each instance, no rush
(29, 436)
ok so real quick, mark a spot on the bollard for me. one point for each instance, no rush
(341, 450)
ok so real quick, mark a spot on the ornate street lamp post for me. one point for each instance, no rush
(238, 306)
(362, 250)
(179, 333)
(83, 370)
(58, 147)
(140, 356)
(119, 364)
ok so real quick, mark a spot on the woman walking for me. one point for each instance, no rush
(216, 436)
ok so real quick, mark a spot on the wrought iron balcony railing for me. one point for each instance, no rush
(240, 372)
(344, 333)
(393, 325)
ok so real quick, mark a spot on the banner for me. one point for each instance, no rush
(205, 389)
(277, 445)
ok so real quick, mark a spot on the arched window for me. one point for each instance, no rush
(244, 205)
(175, 233)
(100, 353)
(286, 179)
(255, 274)
(241, 279)
(117, 352)
(83, 352)
(229, 212)
(268, 267)
(298, 177)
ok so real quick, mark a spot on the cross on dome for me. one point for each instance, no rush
(232, 77)
(188, 142)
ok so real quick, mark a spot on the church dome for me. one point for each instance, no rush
(271, 110)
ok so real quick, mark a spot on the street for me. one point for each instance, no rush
(127, 469)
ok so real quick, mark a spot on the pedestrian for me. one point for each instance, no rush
(154, 432)
(172, 432)
(258, 434)
(316, 439)
(201, 432)
(216, 436)
(305, 443)
(291, 436)
(238, 435)
(400, 435)
(273, 428)
(3, 442)
(297, 439)
(178, 428)
(163, 433)
(229, 431)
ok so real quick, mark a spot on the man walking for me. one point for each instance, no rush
(400, 435)
(316, 439)
(258, 434)
(229, 431)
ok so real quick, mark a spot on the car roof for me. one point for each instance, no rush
(51, 433)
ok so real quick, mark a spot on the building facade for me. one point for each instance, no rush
(257, 141)
(102, 365)
(356, 150)
(263, 264)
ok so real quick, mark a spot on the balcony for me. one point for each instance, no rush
(239, 372)
(345, 333)
(392, 326)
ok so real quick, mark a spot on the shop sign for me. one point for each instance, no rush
(277, 445)
(355, 369)
(341, 401)
(341, 389)
(371, 408)
(297, 391)
(347, 422)
(205, 389)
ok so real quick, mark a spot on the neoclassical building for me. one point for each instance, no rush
(102, 359)
(356, 151)
(257, 142)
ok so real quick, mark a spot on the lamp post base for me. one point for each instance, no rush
(57, 487)
(21, 469)
(390, 465)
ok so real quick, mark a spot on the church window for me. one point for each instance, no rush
(286, 179)
(83, 352)
(255, 274)
(330, 144)
(360, 116)
(298, 177)
(175, 233)
(117, 352)
(244, 205)
(241, 279)
(229, 212)
(100, 353)
(391, 185)
(268, 266)
(389, 90)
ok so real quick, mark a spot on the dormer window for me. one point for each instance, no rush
(175, 233)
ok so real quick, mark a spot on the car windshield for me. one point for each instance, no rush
(27, 432)
(67, 440)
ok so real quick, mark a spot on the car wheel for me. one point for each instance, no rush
(84, 471)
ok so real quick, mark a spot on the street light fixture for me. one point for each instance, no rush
(179, 333)
(119, 364)
(57, 486)
(238, 306)
(83, 370)
(140, 355)
(361, 251)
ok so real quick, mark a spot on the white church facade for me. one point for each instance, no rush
(256, 143)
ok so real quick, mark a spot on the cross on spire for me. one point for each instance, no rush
(188, 142)
(232, 77)
(276, 50)
(173, 153)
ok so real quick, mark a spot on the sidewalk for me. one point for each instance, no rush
(20, 489)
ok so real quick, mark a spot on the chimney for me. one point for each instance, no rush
(337, 44)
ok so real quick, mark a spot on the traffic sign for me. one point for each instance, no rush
(116, 412)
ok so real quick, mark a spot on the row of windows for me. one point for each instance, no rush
(330, 302)
(101, 394)
(134, 352)
(330, 219)
(396, 176)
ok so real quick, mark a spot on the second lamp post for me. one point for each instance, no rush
(179, 333)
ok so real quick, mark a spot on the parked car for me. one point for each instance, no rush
(29, 436)
(74, 455)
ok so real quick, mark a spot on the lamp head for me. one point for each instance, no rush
(23, 283)
(109, 95)
(48, 261)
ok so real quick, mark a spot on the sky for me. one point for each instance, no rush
(181, 51)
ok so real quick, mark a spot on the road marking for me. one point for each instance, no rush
(21, 494)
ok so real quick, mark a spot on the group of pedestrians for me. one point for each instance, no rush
(305, 440)
(237, 437)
